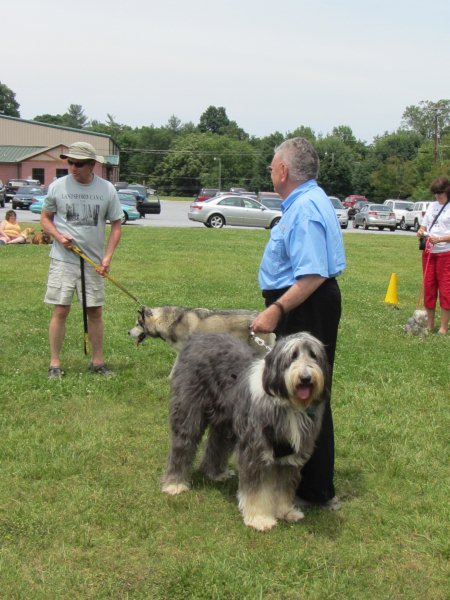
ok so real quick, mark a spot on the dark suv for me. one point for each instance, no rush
(14, 184)
(2, 194)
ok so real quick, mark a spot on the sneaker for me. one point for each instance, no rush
(101, 370)
(332, 504)
(55, 373)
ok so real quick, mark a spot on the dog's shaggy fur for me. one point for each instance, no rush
(417, 324)
(268, 410)
(175, 324)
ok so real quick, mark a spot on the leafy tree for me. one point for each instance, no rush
(336, 163)
(395, 178)
(52, 119)
(74, 117)
(401, 144)
(264, 148)
(190, 163)
(304, 132)
(149, 147)
(428, 118)
(8, 103)
(173, 124)
(214, 120)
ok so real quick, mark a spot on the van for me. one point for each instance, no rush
(413, 219)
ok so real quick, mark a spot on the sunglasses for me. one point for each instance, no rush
(77, 164)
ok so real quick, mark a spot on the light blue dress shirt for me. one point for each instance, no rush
(306, 241)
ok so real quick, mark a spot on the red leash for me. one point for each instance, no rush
(428, 251)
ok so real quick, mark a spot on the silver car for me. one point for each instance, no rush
(375, 215)
(340, 211)
(233, 210)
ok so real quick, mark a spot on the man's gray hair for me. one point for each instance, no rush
(300, 157)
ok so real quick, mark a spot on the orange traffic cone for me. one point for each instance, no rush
(391, 294)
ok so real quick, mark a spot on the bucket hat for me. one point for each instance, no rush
(82, 151)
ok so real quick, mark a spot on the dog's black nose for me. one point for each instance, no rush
(305, 379)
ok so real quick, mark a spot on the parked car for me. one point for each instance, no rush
(233, 210)
(400, 208)
(23, 198)
(150, 206)
(120, 185)
(2, 194)
(351, 212)
(375, 215)
(14, 184)
(141, 189)
(349, 201)
(413, 218)
(131, 193)
(206, 193)
(340, 211)
(128, 204)
(37, 204)
(270, 199)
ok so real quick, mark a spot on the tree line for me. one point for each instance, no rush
(179, 158)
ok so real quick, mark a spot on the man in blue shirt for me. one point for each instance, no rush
(297, 276)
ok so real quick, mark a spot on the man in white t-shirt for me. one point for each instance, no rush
(76, 210)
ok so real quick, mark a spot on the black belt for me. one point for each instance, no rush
(273, 295)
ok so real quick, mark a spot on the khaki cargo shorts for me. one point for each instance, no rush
(65, 278)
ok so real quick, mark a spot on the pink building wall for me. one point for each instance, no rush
(24, 170)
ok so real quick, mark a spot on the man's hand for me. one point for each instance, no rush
(267, 320)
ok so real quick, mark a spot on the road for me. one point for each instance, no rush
(174, 214)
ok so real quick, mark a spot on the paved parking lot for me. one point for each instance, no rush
(174, 214)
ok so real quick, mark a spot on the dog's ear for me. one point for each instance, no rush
(272, 378)
(147, 312)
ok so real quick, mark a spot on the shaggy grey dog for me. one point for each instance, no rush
(268, 410)
(417, 324)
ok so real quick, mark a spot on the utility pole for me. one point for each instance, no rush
(436, 132)
(220, 171)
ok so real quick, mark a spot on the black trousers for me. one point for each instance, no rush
(319, 315)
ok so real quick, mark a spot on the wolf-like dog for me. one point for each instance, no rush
(268, 410)
(175, 324)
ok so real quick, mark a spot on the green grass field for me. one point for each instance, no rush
(81, 513)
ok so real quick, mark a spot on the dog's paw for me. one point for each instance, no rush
(173, 489)
(261, 522)
(293, 515)
(228, 474)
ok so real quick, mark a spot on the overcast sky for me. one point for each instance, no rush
(273, 65)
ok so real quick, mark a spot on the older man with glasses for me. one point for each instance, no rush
(75, 211)
(297, 276)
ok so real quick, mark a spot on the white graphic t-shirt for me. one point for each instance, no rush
(441, 227)
(81, 210)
